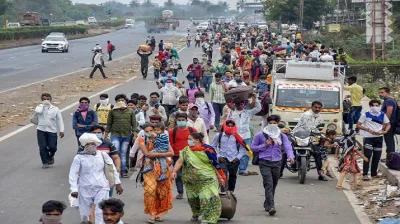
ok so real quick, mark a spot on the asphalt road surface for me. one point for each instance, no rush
(25, 186)
(24, 65)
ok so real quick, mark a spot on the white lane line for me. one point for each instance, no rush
(36, 64)
(25, 55)
(52, 61)
(19, 130)
(12, 57)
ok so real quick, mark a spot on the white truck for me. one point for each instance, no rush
(296, 84)
(167, 14)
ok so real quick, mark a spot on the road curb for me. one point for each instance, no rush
(393, 176)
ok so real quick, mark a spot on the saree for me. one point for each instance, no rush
(200, 180)
(157, 195)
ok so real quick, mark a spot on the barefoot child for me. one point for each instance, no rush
(161, 145)
(348, 164)
(328, 145)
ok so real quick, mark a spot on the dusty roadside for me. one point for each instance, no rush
(17, 106)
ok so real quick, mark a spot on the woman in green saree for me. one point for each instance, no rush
(200, 173)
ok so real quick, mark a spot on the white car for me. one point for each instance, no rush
(56, 34)
(203, 26)
(129, 23)
(80, 22)
(13, 25)
(55, 43)
(293, 27)
(92, 21)
(262, 25)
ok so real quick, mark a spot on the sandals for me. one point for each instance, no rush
(194, 218)
(179, 196)
(328, 174)
(151, 221)
(159, 219)
(340, 188)
(251, 173)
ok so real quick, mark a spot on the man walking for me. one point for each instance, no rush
(217, 90)
(49, 123)
(110, 49)
(170, 96)
(144, 62)
(356, 94)
(188, 40)
(389, 107)
(206, 111)
(98, 64)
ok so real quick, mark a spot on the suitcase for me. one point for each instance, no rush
(393, 161)
(238, 94)
(229, 202)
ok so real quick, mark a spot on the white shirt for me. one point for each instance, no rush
(86, 175)
(200, 126)
(50, 119)
(140, 118)
(326, 57)
(170, 95)
(315, 54)
(97, 58)
(162, 113)
(242, 119)
(309, 121)
(368, 123)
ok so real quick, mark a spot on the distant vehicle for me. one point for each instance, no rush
(80, 22)
(242, 25)
(293, 27)
(29, 19)
(45, 22)
(114, 18)
(203, 26)
(129, 23)
(167, 14)
(55, 43)
(13, 25)
(92, 21)
(263, 25)
(57, 34)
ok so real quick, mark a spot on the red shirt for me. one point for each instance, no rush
(109, 47)
(181, 139)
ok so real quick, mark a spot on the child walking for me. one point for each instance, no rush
(328, 145)
(161, 145)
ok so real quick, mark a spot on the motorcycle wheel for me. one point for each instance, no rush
(302, 173)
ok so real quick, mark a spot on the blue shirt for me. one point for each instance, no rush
(263, 87)
(289, 49)
(228, 148)
(91, 117)
(390, 102)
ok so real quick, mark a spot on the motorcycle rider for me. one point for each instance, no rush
(94, 50)
(310, 121)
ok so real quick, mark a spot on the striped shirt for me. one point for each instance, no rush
(217, 93)
(161, 143)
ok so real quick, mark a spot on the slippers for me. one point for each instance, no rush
(194, 218)
(252, 173)
(159, 219)
(151, 221)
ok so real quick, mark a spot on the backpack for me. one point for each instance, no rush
(191, 130)
(112, 47)
(98, 105)
(393, 161)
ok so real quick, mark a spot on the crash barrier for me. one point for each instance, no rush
(375, 73)
(39, 31)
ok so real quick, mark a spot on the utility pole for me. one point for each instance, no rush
(301, 15)
(373, 31)
(383, 26)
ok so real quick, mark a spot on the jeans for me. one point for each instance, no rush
(156, 73)
(47, 142)
(110, 55)
(218, 108)
(178, 179)
(188, 43)
(230, 169)
(168, 109)
(270, 171)
(244, 161)
(101, 70)
(144, 69)
(197, 43)
(175, 72)
(389, 139)
(207, 80)
(122, 144)
(354, 115)
(376, 157)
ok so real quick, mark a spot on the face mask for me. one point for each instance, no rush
(169, 75)
(104, 102)
(376, 109)
(181, 123)
(191, 143)
(83, 107)
(192, 85)
(168, 84)
(273, 125)
(46, 102)
(90, 149)
(262, 81)
(154, 100)
(147, 135)
(381, 97)
(208, 63)
(99, 135)
(163, 74)
(200, 101)
(51, 219)
(220, 64)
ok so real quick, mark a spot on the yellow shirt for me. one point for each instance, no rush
(102, 113)
(356, 93)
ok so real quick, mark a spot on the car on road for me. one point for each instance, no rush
(130, 23)
(55, 43)
(92, 21)
(293, 27)
(203, 26)
(262, 25)
(13, 25)
(56, 34)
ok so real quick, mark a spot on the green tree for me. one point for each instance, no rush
(169, 4)
(4, 4)
(148, 4)
(134, 4)
(196, 3)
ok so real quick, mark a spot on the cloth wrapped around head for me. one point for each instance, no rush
(89, 138)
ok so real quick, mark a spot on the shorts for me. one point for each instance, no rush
(374, 143)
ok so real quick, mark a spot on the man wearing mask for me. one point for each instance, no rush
(196, 69)
(356, 94)
(208, 71)
(193, 88)
(197, 39)
(206, 111)
(221, 67)
(183, 105)
(49, 122)
(174, 64)
(52, 212)
(84, 118)
(389, 107)
(121, 123)
(374, 124)
(159, 111)
(102, 109)
(310, 121)
(217, 90)
(178, 138)
(144, 62)
(170, 96)
(242, 118)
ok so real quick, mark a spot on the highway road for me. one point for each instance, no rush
(25, 186)
(24, 65)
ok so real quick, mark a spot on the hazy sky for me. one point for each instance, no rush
(125, 1)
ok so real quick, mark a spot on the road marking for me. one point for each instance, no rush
(12, 57)
(25, 55)
(36, 64)
(52, 61)
(19, 130)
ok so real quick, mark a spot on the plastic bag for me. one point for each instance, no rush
(390, 221)
(73, 201)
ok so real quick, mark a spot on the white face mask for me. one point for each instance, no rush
(200, 101)
(104, 102)
(46, 102)
(376, 109)
(168, 85)
(220, 64)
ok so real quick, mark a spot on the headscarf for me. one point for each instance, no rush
(212, 156)
(233, 131)
(51, 219)
(119, 105)
(89, 138)
(273, 132)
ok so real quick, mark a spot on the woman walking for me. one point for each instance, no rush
(157, 195)
(267, 144)
(200, 172)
